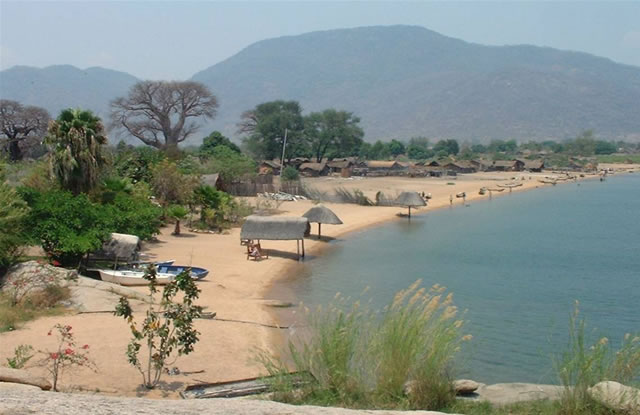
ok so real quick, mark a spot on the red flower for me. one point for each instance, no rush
(68, 351)
(85, 347)
(55, 263)
(54, 356)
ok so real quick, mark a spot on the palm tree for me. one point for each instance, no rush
(178, 213)
(76, 139)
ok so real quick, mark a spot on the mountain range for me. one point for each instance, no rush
(402, 81)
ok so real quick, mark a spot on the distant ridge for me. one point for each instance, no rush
(62, 86)
(405, 81)
(402, 81)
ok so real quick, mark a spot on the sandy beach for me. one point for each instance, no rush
(238, 289)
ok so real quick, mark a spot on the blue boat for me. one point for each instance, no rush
(196, 273)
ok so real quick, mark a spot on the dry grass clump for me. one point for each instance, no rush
(359, 357)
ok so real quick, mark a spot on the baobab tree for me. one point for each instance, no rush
(20, 125)
(163, 114)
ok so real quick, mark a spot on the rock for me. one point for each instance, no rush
(408, 387)
(508, 393)
(616, 396)
(23, 377)
(465, 386)
(31, 276)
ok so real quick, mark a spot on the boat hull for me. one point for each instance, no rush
(196, 273)
(133, 278)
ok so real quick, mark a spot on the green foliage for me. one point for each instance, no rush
(13, 210)
(418, 149)
(605, 147)
(167, 328)
(583, 364)
(68, 226)
(231, 166)
(132, 214)
(379, 151)
(77, 139)
(501, 146)
(265, 126)
(290, 174)
(396, 148)
(216, 207)
(364, 358)
(333, 132)
(21, 355)
(214, 140)
(446, 147)
(178, 213)
(170, 186)
(137, 163)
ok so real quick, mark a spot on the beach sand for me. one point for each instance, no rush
(236, 289)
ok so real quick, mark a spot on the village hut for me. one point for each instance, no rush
(321, 214)
(214, 180)
(535, 166)
(410, 199)
(508, 165)
(314, 169)
(120, 247)
(383, 168)
(341, 167)
(278, 228)
(459, 167)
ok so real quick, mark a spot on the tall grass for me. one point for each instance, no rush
(360, 357)
(583, 364)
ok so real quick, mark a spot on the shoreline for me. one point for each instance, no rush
(278, 288)
(238, 290)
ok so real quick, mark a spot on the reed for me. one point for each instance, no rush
(402, 356)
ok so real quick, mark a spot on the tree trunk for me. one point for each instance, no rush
(15, 154)
(176, 231)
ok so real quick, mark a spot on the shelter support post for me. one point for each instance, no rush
(302, 248)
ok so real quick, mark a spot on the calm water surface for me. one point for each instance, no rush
(516, 263)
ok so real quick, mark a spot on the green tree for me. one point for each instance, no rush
(396, 148)
(214, 140)
(137, 163)
(168, 328)
(178, 213)
(230, 165)
(170, 186)
(479, 148)
(333, 131)
(605, 147)
(13, 210)
(265, 127)
(77, 140)
(290, 174)
(67, 226)
(447, 147)
(418, 149)
(379, 151)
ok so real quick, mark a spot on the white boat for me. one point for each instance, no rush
(132, 277)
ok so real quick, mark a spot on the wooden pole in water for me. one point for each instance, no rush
(409, 210)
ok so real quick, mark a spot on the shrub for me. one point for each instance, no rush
(178, 213)
(582, 365)
(68, 226)
(165, 329)
(366, 358)
(133, 214)
(290, 174)
(65, 356)
(21, 355)
(231, 166)
(13, 210)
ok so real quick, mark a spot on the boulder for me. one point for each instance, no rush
(616, 396)
(23, 377)
(31, 276)
(465, 386)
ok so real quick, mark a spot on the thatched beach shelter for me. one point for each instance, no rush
(278, 228)
(321, 214)
(410, 199)
(120, 248)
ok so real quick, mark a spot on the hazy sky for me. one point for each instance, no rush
(175, 39)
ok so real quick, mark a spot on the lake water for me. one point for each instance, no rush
(516, 263)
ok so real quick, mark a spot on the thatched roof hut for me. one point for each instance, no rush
(321, 214)
(121, 247)
(278, 228)
(410, 199)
